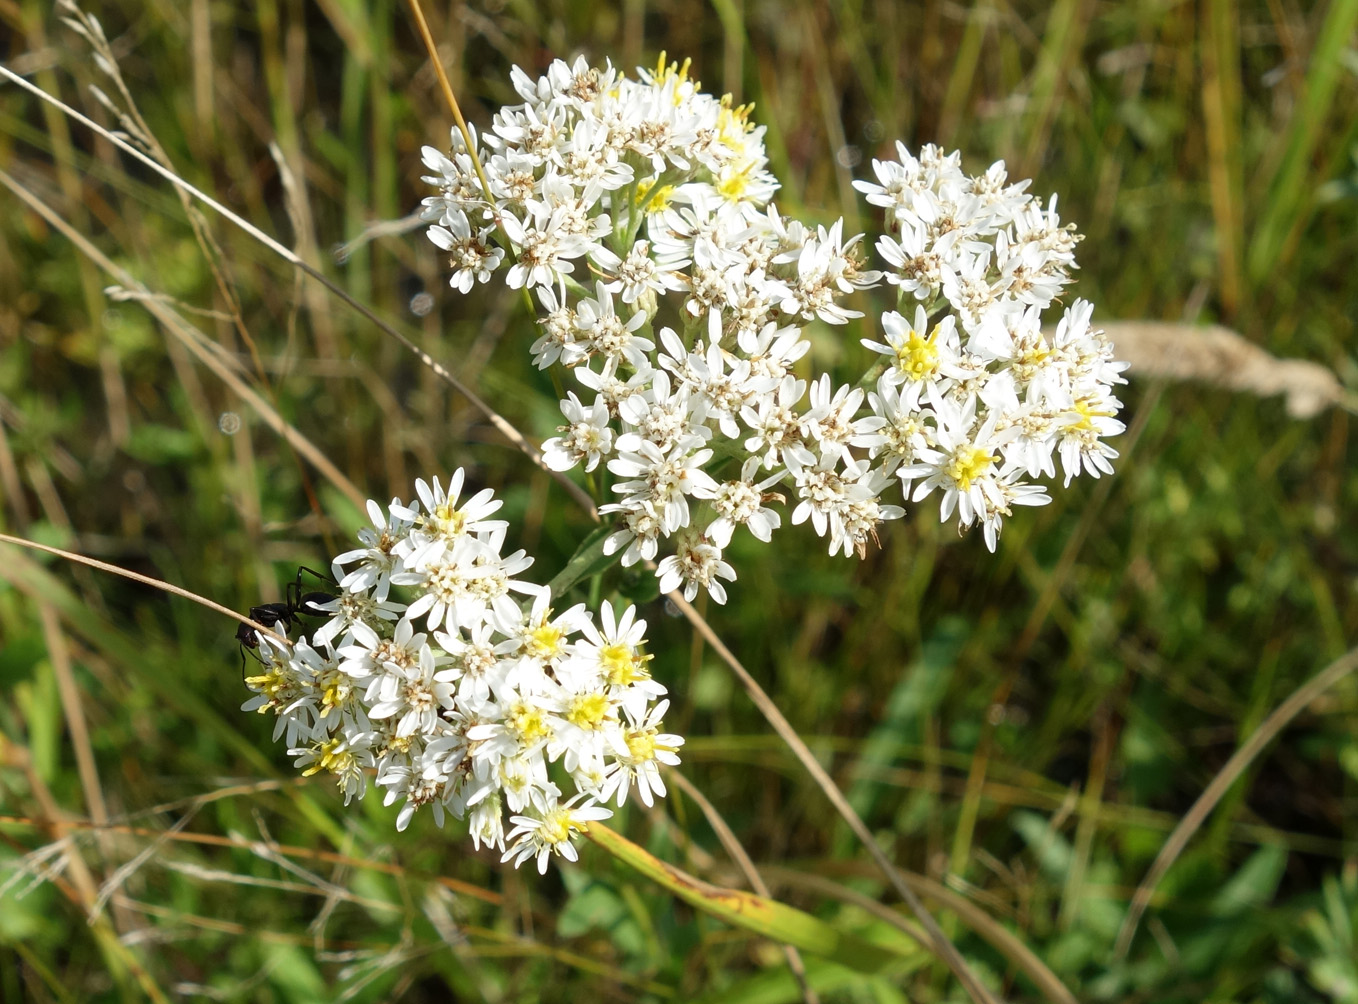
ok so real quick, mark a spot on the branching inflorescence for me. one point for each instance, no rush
(676, 295)
(462, 698)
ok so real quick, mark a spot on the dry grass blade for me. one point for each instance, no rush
(236, 841)
(1268, 729)
(168, 587)
(81, 890)
(501, 424)
(1219, 356)
(1004, 942)
(194, 340)
(938, 941)
(427, 37)
(747, 868)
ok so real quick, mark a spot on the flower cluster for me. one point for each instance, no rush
(676, 295)
(466, 698)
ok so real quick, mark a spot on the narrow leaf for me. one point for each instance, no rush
(769, 918)
(588, 559)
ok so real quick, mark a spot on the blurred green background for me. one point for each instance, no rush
(1025, 728)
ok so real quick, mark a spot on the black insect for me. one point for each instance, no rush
(297, 604)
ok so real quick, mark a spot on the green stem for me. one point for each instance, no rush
(766, 917)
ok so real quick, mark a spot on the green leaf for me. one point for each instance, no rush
(588, 559)
(1254, 884)
(777, 985)
(155, 444)
(769, 918)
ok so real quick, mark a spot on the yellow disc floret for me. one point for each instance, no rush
(528, 723)
(329, 756)
(588, 711)
(968, 464)
(917, 356)
(656, 201)
(622, 664)
(447, 520)
(545, 641)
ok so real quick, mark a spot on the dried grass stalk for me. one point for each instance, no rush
(1219, 356)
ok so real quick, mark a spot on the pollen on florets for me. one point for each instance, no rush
(462, 691)
(684, 339)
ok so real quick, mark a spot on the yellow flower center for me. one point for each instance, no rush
(271, 684)
(528, 723)
(968, 464)
(665, 71)
(733, 183)
(335, 691)
(330, 757)
(733, 123)
(544, 641)
(588, 711)
(641, 744)
(1087, 412)
(621, 665)
(448, 520)
(556, 828)
(917, 358)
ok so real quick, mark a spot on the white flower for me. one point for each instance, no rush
(376, 558)
(587, 438)
(776, 425)
(964, 464)
(741, 503)
(829, 422)
(647, 748)
(443, 519)
(861, 512)
(916, 357)
(825, 272)
(696, 563)
(664, 479)
(904, 430)
(1008, 492)
(639, 273)
(918, 259)
(412, 695)
(600, 330)
(640, 532)
(560, 326)
(470, 254)
(1081, 432)
(661, 416)
(544, 244)
(613, 651)
(348, 756)
(550, 832)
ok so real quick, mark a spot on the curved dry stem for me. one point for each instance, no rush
(975, 917)
(207, 351)
(1268, 729)
(738, 854)
(504, 427)
(236, 841)
(938, 941)
(168, 587)
(427, 37)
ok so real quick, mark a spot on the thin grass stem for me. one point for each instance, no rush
(145, 580)
(1266, 732)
